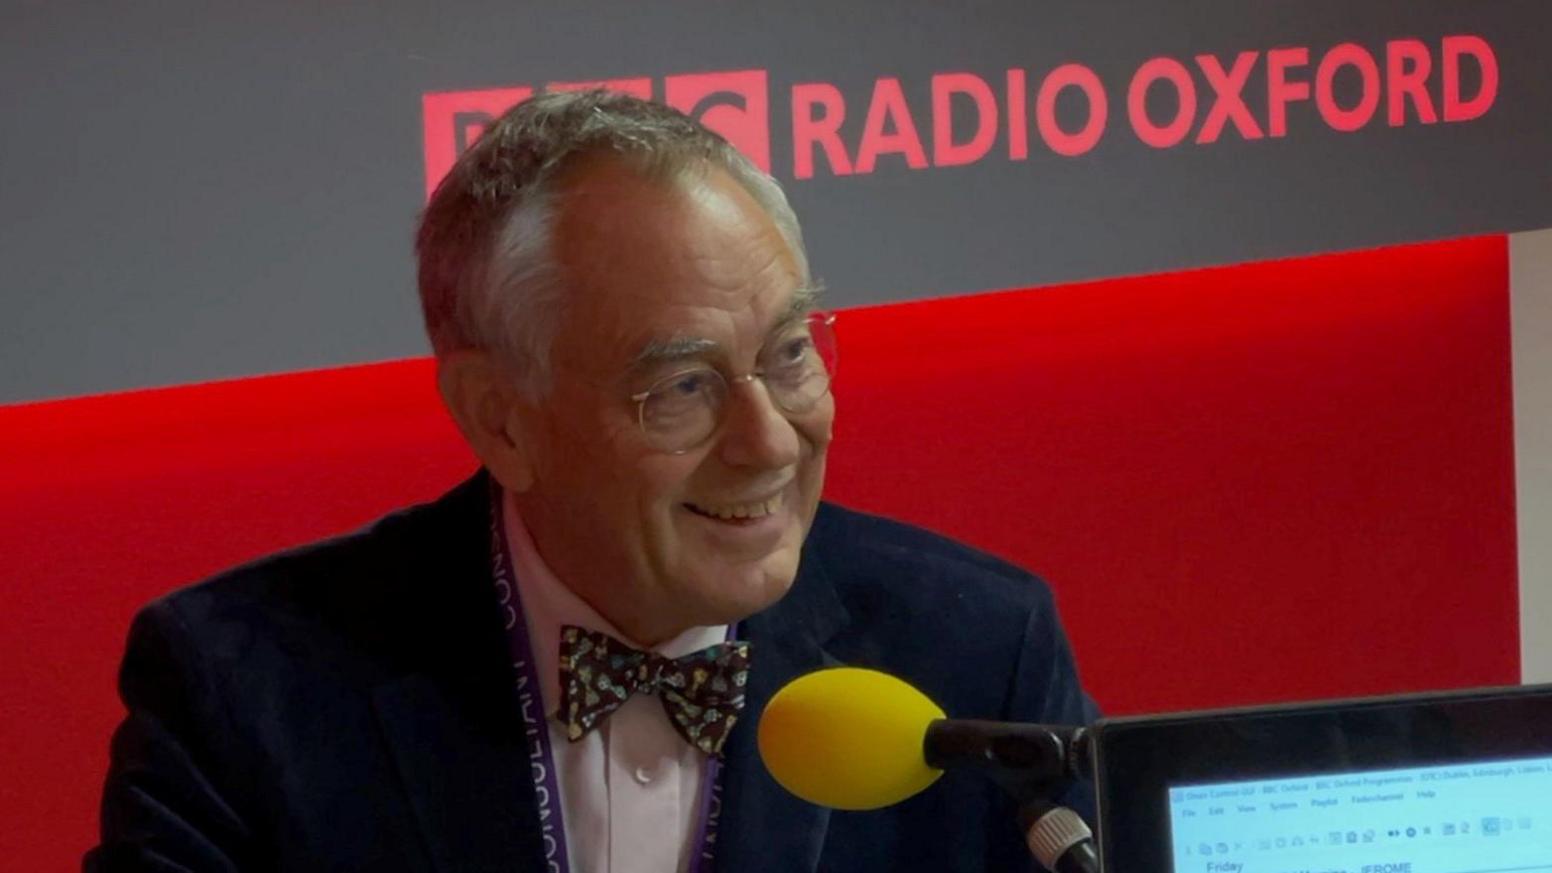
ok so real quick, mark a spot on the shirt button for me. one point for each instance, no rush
(643, 775)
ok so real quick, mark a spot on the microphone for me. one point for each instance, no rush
(848, 738)
(852, 738)
(857, 739)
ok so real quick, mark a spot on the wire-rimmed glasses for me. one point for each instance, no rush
(681, 411)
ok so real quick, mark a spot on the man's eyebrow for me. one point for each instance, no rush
(673, 349)
(798, 308)
(803, 300)
(681, 348)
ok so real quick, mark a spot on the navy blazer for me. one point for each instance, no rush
(350, 706)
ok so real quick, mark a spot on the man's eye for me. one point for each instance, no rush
(678, 395)
(688, 385)
(793, 351)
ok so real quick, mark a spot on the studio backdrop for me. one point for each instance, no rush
(1199, 310)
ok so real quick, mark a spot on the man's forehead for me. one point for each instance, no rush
(612, 215)
(671, 268)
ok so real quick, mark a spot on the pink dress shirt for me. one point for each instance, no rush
(629, 790)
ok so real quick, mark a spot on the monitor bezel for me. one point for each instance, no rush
(1138, 760)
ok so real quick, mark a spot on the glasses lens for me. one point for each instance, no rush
(797, 366)
(683, 409)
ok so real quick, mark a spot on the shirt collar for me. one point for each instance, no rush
(548, 604)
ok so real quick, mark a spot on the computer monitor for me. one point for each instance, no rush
(1443, 783)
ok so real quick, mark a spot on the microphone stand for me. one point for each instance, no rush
(1058, 838)
(1033, 763)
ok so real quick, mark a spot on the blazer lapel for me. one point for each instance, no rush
(764, 828)
(468, 784)
(451, 719)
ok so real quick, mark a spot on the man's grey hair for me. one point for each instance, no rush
(487, 273)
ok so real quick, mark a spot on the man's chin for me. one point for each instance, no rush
(744, 591)
(739, 568)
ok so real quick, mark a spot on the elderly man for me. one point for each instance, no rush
(559, 665)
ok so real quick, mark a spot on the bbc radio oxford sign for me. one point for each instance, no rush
(1203, 97)
(924, 173)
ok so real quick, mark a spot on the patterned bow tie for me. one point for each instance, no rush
(702, 692)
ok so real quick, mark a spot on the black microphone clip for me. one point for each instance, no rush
(1032, 762)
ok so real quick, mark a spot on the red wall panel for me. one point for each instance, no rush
(1273, 481)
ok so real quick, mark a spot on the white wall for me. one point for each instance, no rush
(1530, 284)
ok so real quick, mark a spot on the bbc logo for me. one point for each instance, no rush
(734, 104)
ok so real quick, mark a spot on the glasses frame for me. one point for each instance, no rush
(825, 319)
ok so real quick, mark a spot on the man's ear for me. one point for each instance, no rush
(486, 406)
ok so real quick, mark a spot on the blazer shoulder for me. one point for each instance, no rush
(852, 542)
(359, 583)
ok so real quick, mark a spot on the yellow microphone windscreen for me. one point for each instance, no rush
(848, 738)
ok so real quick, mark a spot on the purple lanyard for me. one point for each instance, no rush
(552, 828)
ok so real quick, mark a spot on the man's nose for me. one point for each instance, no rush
(756, 432)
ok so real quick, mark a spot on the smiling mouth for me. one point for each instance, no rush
(737, 512)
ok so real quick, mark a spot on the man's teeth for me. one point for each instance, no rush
(730, 511)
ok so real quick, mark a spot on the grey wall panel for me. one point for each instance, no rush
(196, 191)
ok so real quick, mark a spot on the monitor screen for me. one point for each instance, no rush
(1459, 818)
